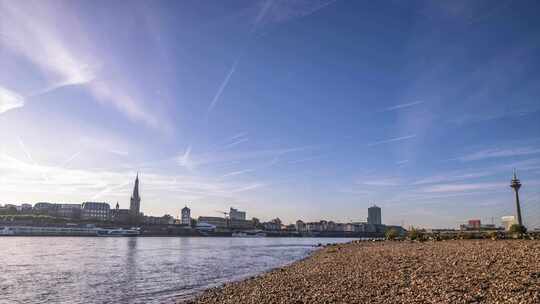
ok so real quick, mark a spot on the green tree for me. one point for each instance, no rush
(391, 234)
(517, 229)
(415, 234)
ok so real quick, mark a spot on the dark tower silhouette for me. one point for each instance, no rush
(516, 184)
(135, 202)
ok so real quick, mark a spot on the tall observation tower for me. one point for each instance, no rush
(516, 184)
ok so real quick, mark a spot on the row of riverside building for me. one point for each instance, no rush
(237, 221)
(234, 220)
(91, 211)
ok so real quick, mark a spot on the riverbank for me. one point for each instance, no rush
(461, 271)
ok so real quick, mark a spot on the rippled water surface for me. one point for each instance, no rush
(134, 270)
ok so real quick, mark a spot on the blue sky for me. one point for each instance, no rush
(290, 109)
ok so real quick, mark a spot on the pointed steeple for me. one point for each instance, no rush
(136, 188)
(135, 202)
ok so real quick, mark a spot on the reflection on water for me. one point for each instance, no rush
(134, 270)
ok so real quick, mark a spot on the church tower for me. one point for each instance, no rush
(135, 202)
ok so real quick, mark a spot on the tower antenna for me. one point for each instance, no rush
(516, 184)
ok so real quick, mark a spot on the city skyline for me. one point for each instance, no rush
(311, 110)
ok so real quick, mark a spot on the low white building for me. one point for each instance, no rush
(508, 221)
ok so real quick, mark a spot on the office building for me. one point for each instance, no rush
(273, 225)
(374, 215)
(96, 211)
(300, 226)
(43, 208)
(159, 220)
(235, 214)
(71, 211)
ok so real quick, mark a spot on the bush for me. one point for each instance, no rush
(465, 236)
(516, 228)
(391, 234)
(415, 235)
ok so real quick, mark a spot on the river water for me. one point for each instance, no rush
(135, 270)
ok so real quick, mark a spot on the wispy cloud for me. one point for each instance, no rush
(248, 187)
(123, 101)
(32, 36)
(402, 162)
(452, 176)
(235, 142)
(382, 182)
(262, 13)
(109, 188)
(30, 158)
(273, 12)
(9, 100)
(255, 155)
(303, 160)
(119, 152)
(238, 135)
(391, 140)
(497, 153)
(234, 173)
(71, 158)
(401, 106)
(25, 150)
(444, 188)
(33, 32)
(494, 114)
(107, 184)
(222, 87)
(185, 160)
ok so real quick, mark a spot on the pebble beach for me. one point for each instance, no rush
(457, 271)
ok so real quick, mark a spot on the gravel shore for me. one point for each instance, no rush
(465, 271)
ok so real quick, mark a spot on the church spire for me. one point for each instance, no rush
(136, 188)
(135, 202)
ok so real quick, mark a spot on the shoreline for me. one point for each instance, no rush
(193, 297)
(456, 271)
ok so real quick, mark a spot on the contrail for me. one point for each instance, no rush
(69, 160)
(261, 15)
(235, 143)
(109, 189)
(392, 140)
(401, 106)
(23, 147)
(222, 87)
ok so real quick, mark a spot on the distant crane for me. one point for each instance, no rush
(225, 214)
